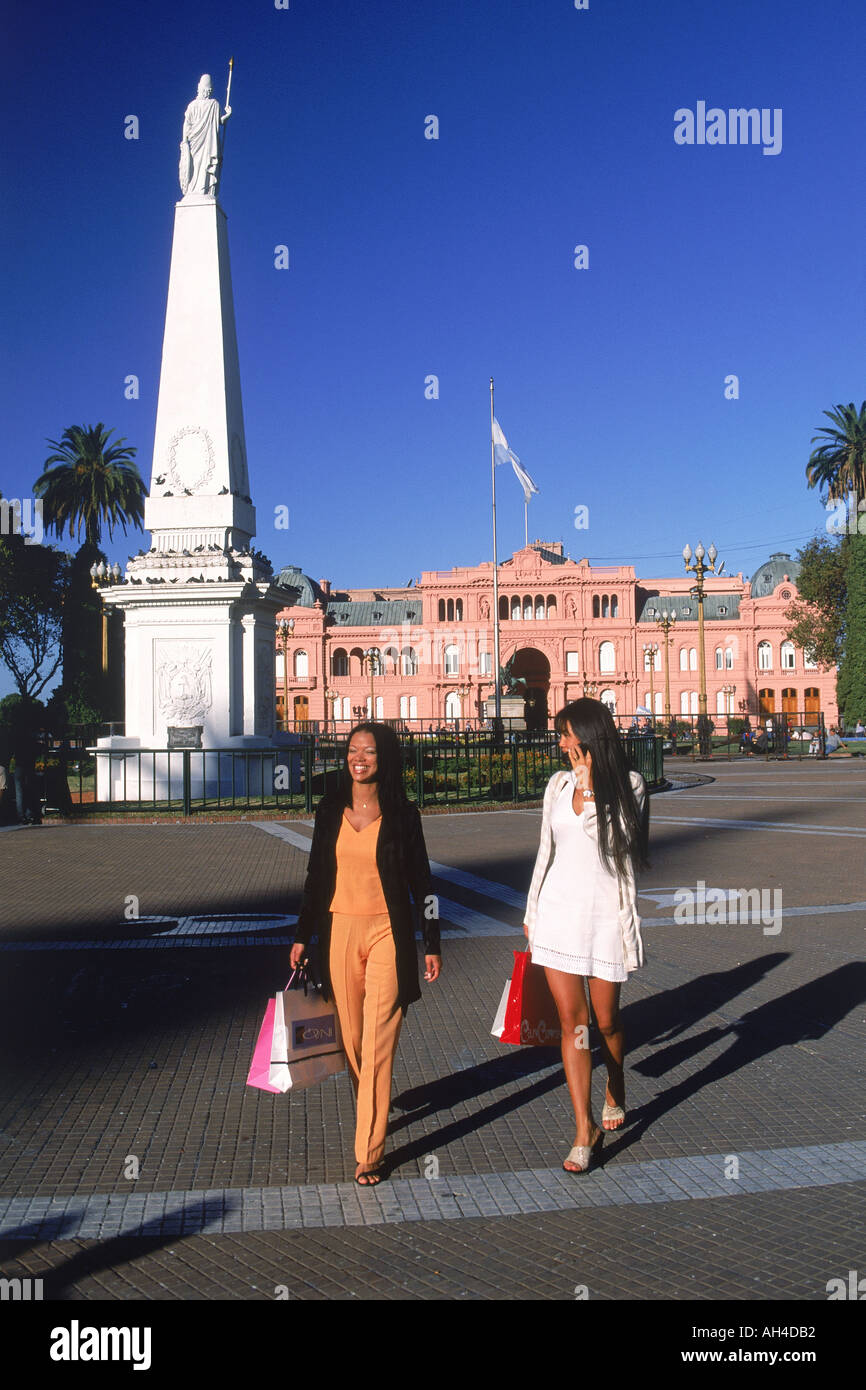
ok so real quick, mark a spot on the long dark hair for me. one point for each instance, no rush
(622, 828)
(389, 775)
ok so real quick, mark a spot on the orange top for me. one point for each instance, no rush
(358, 891)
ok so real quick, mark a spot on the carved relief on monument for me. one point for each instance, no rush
(182, 673)
(190, 459)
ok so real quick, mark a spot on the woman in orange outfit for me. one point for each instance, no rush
(367, 857)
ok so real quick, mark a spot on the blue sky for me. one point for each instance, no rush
(455, 257)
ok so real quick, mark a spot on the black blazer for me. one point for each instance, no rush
(401, 858)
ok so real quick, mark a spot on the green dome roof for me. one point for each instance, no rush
(290, 577)
(771, 573)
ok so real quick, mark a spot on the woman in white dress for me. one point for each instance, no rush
(581, 915)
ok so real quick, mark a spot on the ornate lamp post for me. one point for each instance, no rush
(286, 627)
(371, 656)
(101, 576)
(666, 622)
(700, 570)
(331, 695)
(590, 689)
(650, 651)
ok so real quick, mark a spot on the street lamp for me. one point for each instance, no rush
(590, 690)
(700, 570)
(331, 695)
(666, 622)
(286, 627)
(101, 576)
(651, 651)
(371, 656)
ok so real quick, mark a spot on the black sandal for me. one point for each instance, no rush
(372, 1177)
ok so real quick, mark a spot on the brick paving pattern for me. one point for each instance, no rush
(127, 1036)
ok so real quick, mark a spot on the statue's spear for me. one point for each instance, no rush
(222, 143)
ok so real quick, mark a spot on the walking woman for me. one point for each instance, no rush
(367, 857)
(581, 916)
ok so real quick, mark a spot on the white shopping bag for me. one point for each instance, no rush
(499, 1021)
(278, 1072)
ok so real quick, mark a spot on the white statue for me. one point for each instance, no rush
(201, 146)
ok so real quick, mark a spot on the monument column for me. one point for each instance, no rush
(200, 605)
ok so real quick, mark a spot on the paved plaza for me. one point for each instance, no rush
(136, 1164)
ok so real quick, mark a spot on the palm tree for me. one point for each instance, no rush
(89, 481)
(839, 463)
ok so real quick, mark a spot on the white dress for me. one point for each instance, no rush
(581, 919)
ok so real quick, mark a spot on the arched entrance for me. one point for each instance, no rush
(534, 667)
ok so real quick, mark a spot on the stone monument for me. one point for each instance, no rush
(200, 605)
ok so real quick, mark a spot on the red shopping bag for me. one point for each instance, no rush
(531, 1017)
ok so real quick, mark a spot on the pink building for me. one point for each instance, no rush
(424, 654)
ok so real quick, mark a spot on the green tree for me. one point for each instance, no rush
(838, 467)
(851, 682)
(32, 585)
(89, 482)
(817, 615)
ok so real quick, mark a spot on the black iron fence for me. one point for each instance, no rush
(445, 769)
(790, 734)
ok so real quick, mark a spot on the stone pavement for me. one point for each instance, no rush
(126, 1041)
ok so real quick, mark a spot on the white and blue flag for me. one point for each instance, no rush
(502, 454)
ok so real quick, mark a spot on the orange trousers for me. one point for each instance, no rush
(363, 966)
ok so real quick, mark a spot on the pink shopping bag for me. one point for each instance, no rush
(261, 1064)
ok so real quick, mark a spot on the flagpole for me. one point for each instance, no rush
(497, 701)
(525, 522)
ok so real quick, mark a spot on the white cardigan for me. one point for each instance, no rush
(632, 944)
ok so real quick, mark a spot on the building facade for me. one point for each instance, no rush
(423, 654)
